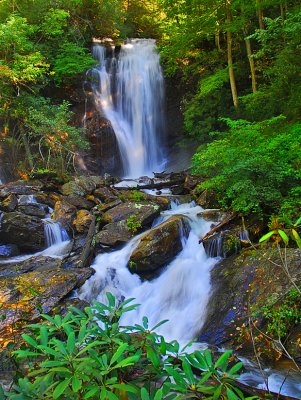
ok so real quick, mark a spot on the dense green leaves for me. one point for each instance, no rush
(76, 357)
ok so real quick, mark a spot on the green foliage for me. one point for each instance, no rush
(133, 224)
(136, 195)
(211, 101)
(282, 229)
(252, 166)
(90, 355)
(70, 61)
(282, 318)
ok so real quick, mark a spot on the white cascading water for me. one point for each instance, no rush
(180, 294)
(129, 90)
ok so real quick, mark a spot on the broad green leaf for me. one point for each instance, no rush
(121, 349)
(61, 387)
(111, 299)
(145, 322)
(76, 384)
(29, 340)
(298, 221)
(71, 342)
(283, 236)
(91, 392)
(188, 372)
(266, 236)
(127, 362)
(126, 387)
(231, 395)
(217, 393)
(144, 394)
(222, 361)
(235, 368)
(153, 356)
(159, 324)
(44, 335)
(159, 394)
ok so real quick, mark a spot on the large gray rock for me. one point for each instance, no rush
(144, 213)
(82, 186)
(25, 231)
(114, 234)
(23, 297)
(242, 286)
(159, 246)
(35, 210)
(10, 203)
(64, 213)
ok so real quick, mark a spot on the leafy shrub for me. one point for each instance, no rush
(90, 355)
(252, 166)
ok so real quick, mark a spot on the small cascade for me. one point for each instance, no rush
(180, 294)
(54, 233)
(215, 247)
(129, 90)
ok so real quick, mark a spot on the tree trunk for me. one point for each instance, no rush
(252, 64)
(27, 148)
(229, 55)
(260, 15)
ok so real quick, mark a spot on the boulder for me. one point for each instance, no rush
(144, 213)
(207, 199)
(82, 186)
(18, 267)
(160, 245)
(223, 244)
(105, 194)
(82, 221)
(241, 286)
(214, 215)
(23, 297)
(64, 213)
(21, 188)
(80, 202)
(10, 203)
(105, 207)
(34, 209)
(113, 234)
(190, 182)
(25, 231)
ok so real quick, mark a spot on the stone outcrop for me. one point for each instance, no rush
(159, 246)
(114, 234)
(25, 231)
(144, 213)
(242, 286)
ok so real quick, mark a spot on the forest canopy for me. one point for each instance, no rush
(240, 60)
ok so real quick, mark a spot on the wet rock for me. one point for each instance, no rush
(80, 202)
(159, 246)
(144, 213)
(9, 250)
(82, 221)
(72, 188)
(48, 198)
(18, 267)
(177, 190)
(105, 194)
(23, 297)
(64, 213)
(9, 204)
(214, 215)
(242, 286)
(114, 234)
(21, 188)
(105, 207)
(223, 244)
(207, 199)
(191, 182)
(35, 210)
(25, 231)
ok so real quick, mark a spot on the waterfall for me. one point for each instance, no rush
(180, 294)
(54, 234)
(129, 90)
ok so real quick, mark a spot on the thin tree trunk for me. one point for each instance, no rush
(260, 15)
(217, 40)
(229, 56)
(252, 64)
(27, 150)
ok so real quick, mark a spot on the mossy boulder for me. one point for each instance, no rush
(64, 213)
(160, 245)
(10, 203)
(144, 213)
(82, 221)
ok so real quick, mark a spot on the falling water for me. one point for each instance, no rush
(129, 90)
(54, 233)
(179, 294)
